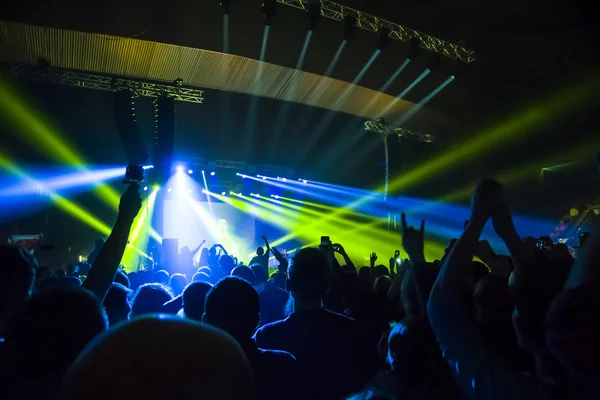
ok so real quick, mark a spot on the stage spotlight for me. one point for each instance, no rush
(349, 27)
(284, 179)
(244, 176)
(226, 6)
(190, 171)
(169, 190)
(148, 166)
(212, 173)
(269, 9)
(204, 191)
(240, 194)
(223, 193)
(303, 180)
(156, 188)
(276, 197)
(252, 194)
(414, 49)
(313, 14)
(145, 188)
(384, 38)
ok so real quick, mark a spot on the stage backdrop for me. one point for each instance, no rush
(216, 223)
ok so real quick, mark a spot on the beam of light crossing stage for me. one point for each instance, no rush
(404, 92)
(71, 182)
(41, 135)
(226, 33)
(140, 230)
(411, 113)
(541, 114)
(285, 109)
(317, 91)
(317, 133)
(207, 192)
(355, 124)
(263, 48)
(253, 110)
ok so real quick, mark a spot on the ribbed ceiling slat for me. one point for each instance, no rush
(140, 59)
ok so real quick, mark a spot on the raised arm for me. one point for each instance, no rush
(413, 241)
(197, 249)
(338, 248)
(105, 266)
(267, 245)
(505, 228)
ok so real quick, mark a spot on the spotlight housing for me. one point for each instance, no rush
(313, 15)
(269, 10)
(349, 27)
(190, 171)
(384, 38)
(226, 6)
(145, 188)
(223, 193)
(212, 173)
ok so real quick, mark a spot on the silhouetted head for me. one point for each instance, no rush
(199, 361)
(309, 275)
(260, 276)
(381, 286)
(116, 303)
(226, 263)
(161, 277)
(279, 279)
(194, 296)
(178, 283)
(546, 279)
(379, 270)
(232, 305)
(364, 277)
(44, 335)
(121, 277)
(260, 251)
(99, 243)
(245, 273)
(206, 270)
(60, 273)
(492, 300)
(200, 277)
(149, 299)
(16, 277)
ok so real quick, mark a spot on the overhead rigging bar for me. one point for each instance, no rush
(338, 12)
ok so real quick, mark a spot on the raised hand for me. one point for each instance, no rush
(338, 248)
(413, 240)
(131, 202)
(373, 258)
(486, 198)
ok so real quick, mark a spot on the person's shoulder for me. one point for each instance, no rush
(340, 318)
(273, 326)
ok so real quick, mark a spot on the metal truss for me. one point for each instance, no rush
(107, 83)
(385, 129)
(338, 12)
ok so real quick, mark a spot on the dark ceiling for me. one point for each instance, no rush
(525, 50)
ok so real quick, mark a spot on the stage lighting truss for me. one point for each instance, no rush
(338, 12)
(107, 83)
(385, 129)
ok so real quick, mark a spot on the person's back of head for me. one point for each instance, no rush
(379, 270)
(199, 361)
(121, 277)
(205, 270)
(232, 305)
(244, 273)
(17, 275)
(161, 277)
(260, 251)
(116, 303)
(364, 277)
(178, 283)
(200, 277)
(194, 297)
(149, 299)
(60, 273)
(279, 279)
(309, 275)
(44, 335)
(381, 286)
(260, 276)
(226, 263)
